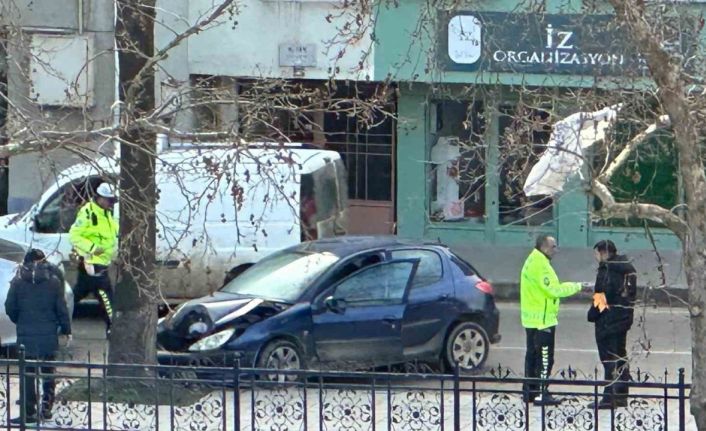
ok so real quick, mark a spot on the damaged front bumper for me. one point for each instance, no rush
(215, 367)
(220, 358)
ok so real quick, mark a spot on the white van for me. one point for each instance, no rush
(218, 209)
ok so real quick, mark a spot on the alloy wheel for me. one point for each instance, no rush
(469, 348)
(283, 358)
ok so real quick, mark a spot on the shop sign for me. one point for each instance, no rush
(538, 43)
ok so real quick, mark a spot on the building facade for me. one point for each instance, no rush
(59, 74)
(271, 41)
(469, 79)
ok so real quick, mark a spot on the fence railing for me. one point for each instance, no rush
(128, 397)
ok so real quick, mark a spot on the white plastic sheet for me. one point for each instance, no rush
(563, 157)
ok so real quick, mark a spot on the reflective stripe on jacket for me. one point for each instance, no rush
(95, 227)
(540, 291)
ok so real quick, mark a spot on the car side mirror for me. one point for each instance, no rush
(335, 305)
(34, 227)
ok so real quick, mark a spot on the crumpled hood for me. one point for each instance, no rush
(219, 308)
(200, 317)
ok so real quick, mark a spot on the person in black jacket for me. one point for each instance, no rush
(612, 313)
(36, 304)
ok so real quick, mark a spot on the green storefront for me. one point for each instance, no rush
(471, 86)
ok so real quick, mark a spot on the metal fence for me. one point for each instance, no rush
(94, 396)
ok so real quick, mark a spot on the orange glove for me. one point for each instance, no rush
(600, 301)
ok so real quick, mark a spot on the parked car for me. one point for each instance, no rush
(11, 257)
(346, 302)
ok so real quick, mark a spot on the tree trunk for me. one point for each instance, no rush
(133, 338)
(694, 264)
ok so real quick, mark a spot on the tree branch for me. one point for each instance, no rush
(164, 52)
(671, 82)
(656, 213)
(606, 175)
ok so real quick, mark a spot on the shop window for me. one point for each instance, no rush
(524, 134)
(458, 161)
(650, 175)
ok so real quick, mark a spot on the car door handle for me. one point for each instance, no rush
(389, 320)
(443, 297)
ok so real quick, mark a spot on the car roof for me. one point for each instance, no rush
(347, 245)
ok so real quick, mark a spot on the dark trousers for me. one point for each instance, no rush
(539, 359)
(32, 376)
(613, 353)
(100, 286)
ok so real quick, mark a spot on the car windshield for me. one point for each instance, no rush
(283, 277)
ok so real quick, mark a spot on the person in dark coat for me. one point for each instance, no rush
(36, 304)
(612, 312)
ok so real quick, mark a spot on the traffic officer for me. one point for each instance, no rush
(540, 291)
(94, 237)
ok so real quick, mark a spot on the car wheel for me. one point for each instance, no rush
(281, 355)
(467, 346)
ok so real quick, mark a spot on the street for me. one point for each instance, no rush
(665, 330)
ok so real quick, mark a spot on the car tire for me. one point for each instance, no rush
(468, 346)
(281, 354)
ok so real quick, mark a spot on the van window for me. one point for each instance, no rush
(59, 212)
(326, 192)
(11, 251)
(307, 209)
(341, 184)
(323, 200)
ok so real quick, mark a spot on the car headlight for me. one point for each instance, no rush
(213, 341)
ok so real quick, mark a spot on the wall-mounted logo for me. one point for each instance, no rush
(465, 39)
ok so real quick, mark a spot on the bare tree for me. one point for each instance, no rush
(275, 111)
(685, 113)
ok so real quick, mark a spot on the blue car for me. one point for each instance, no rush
(342, 303)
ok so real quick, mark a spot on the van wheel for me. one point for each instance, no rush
(281, 355)
(467, 345)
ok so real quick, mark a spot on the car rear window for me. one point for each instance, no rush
(463, 266)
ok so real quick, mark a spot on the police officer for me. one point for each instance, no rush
(36, 304)
(612, 312)
(540, 291)
(94, 237)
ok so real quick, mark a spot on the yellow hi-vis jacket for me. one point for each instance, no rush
(95, 227)
(540, 291)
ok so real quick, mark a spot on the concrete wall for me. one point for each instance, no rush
(30, 173)
(248, 45)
